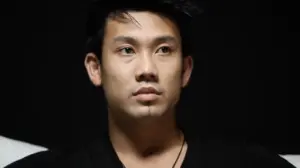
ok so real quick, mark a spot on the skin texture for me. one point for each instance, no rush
(136, 54)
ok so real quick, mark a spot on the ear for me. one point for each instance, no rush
(187, 70)
(92, 65)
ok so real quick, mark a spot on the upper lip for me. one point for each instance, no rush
(146, 90)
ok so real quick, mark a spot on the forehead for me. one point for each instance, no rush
(142, 25)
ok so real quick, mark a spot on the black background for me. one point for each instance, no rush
(239, 87)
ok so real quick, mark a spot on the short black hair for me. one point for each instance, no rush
(179, 11)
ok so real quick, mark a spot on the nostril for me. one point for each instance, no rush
(147, 77)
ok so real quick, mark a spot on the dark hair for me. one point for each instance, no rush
(179, 11)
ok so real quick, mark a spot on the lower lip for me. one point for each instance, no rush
(146, 97)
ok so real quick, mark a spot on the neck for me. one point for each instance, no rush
(144, 138)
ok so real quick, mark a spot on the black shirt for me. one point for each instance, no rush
(200, 154)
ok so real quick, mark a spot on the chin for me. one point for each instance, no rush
(147, 111)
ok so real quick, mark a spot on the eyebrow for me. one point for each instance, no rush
(133, 40)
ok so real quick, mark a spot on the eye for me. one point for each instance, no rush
(164, 50)
(126, 51)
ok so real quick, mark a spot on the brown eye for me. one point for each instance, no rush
(127, 51)
(164, 50)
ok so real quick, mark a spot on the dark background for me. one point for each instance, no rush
(239, 88)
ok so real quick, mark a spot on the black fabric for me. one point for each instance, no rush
(200, 154)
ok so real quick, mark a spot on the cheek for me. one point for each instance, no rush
(111, 81)
(116, 80)
(173, 86)
(171, 77)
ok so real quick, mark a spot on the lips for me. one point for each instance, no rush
(146, 90)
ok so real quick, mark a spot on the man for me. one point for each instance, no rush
(139, 54)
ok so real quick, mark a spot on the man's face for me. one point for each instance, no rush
(142, 69)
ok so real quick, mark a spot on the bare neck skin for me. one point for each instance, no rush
(144, 139)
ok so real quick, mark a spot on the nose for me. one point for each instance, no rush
(147, 70)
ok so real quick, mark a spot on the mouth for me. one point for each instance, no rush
(147, 94)
(146, 90)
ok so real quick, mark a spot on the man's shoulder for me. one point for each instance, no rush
(79, 156)
(258, 155)
(238, 154)
(41, 159)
